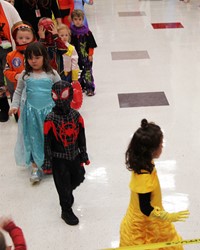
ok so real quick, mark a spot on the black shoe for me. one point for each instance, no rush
(69, 217)
(90, 92)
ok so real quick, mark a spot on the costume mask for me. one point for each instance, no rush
(46, 23)
(67, 96)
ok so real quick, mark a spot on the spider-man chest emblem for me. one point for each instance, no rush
(68, 133)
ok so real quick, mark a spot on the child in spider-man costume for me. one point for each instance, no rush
(65, 147)
(48, 34)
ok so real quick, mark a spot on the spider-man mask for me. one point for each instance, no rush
(62, 94)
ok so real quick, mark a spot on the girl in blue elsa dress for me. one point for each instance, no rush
(79, 5)
(33, 97)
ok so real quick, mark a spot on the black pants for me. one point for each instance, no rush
(4, 106)
(67, 176)
(3, 54)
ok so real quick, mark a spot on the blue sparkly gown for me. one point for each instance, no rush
(33, 95)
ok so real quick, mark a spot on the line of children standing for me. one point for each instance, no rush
(32, 96)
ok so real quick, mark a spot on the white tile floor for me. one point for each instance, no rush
(101, 201)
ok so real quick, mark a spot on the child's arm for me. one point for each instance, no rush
(82, 142)
(41, 33)
(145, 203)
(91, 45)
(75, 67)
(17, 96)
(59, 43)
(156, 212)
(9, 71)
(47, 166)
(15, 233)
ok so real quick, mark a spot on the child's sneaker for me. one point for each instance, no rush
(90, 92)
(36, 175)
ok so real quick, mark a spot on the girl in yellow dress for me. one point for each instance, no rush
(146, 221)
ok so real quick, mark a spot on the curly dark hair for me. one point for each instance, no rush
(144, 142)
(37, 49)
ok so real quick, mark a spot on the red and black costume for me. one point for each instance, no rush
(65, 144)
(54, 45)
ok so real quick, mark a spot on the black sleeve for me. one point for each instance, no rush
(91, 41)
(82, 141)
(145, 205)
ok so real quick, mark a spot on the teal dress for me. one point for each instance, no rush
(34, 96)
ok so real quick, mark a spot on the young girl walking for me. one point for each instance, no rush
(33, 96)
(146, 221)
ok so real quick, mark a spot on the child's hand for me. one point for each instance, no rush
(86, 163)
(17, 76)
(4, 221)
(2, 90)
(41, 32)
(13, 111)
(53, 29)
(75, 81)
(90, 58)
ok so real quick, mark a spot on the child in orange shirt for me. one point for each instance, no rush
(23, 34)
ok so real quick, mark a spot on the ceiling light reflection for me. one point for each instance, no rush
(98, 174)
(176, 202)
(114, 243)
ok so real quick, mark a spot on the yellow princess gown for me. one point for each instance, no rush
(137, 228)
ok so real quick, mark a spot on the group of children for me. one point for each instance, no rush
(145, 221)
(51, 134)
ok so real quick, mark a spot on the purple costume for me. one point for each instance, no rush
(83, 40)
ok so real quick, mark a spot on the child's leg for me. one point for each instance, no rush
(62, 180)
(88, 78)
(36, 174)
(77, 173)
(4, 107)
